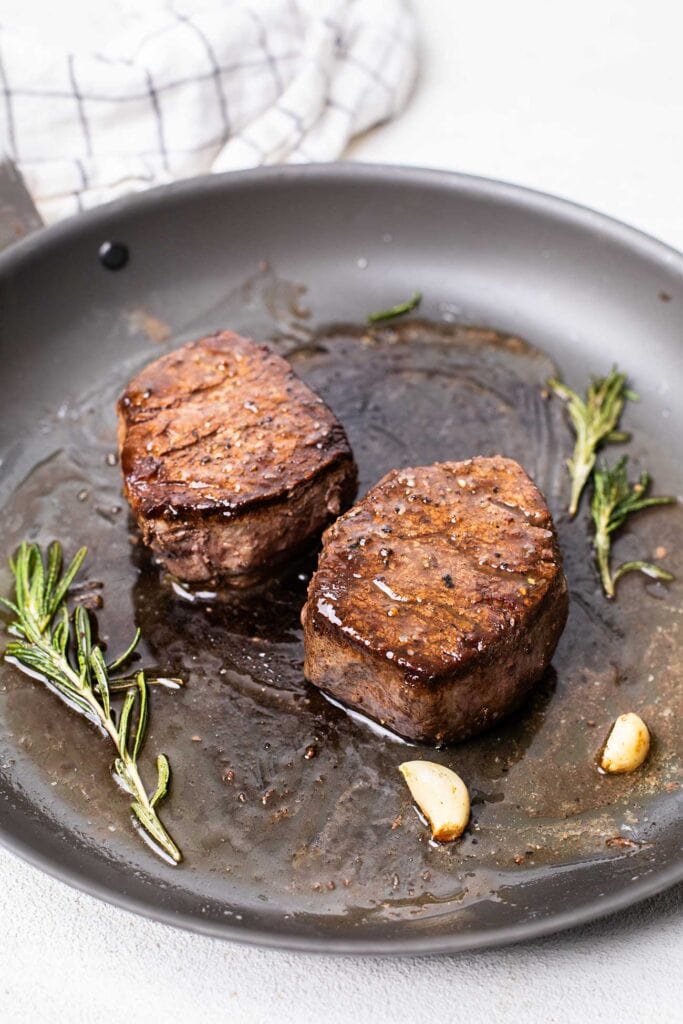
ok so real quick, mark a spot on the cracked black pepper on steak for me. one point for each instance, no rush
(438, 600)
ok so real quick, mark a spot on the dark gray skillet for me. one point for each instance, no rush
(326, 853)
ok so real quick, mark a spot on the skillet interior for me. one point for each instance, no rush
(338, 242)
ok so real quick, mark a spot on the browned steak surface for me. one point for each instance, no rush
(230, 461)
(438, 600)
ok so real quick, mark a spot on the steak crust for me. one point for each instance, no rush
(438, 600)
(230, 462)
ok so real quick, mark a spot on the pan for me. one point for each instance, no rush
(296, 827)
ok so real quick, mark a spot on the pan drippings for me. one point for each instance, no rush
(281, 798)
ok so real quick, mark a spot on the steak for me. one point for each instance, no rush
(438, 600)
(230, 462)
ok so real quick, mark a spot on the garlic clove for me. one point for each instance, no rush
(627, 746)
(441, 795)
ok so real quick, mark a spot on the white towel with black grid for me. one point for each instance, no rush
(126, 94)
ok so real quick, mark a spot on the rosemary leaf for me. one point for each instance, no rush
(595, 419)
(53, 567)
(163, 775)
(141, 727)
(614, 500)
(124, 718)
(67, 579)
(60, 650)
(99, 670)
(149, 821)
(9, 605)
(167, 682)
(655, 572)
(123, 658)
(403, 307)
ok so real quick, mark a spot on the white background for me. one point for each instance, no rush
(584, 100)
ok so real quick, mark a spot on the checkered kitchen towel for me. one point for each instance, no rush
(100, 98)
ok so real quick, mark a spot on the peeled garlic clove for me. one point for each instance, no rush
(628, 744)
(441, 795)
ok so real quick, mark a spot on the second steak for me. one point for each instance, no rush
(438, 599)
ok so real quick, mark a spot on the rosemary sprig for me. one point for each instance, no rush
(595, 420)
(614, 499)
(58, 649)
(403, 307)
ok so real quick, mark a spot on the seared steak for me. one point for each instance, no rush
(438, 599)
(230, 462)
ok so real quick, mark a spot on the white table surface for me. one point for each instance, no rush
(584, 100)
